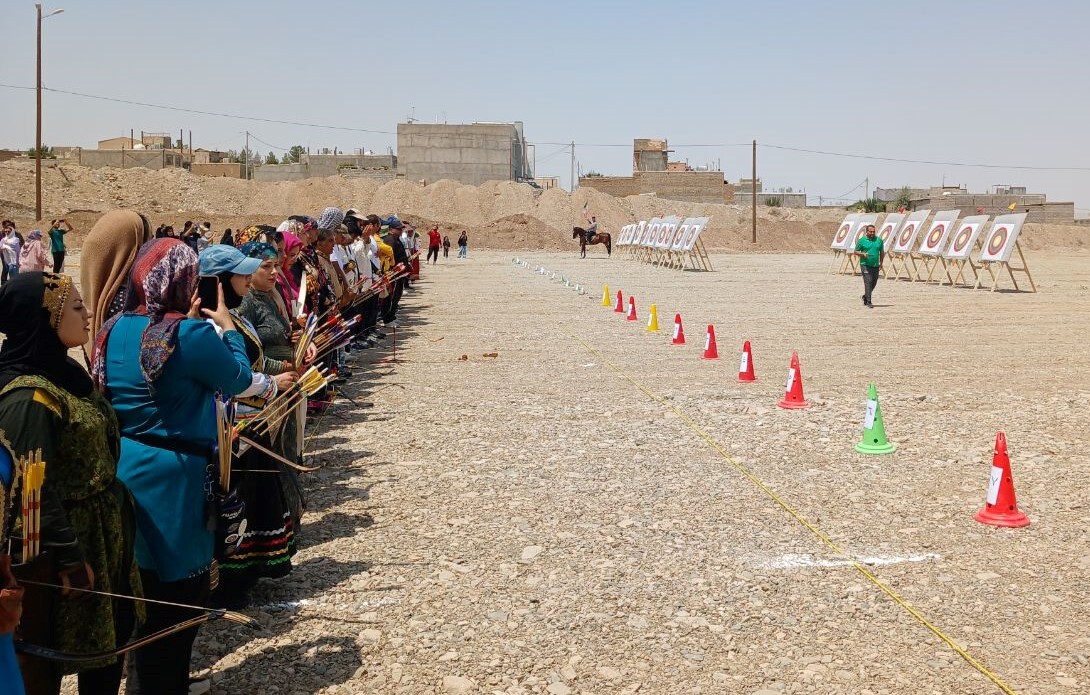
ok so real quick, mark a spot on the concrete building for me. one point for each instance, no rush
(650, 154)
(997, 202)
(468, 153)
(688, 186)
(382, 167)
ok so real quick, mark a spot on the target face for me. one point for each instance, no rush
(998, 240)
(962, 238)
(690, 238)
(842, 233)
(886, 230)
(935, 236)
(664, 233)
(906, 235)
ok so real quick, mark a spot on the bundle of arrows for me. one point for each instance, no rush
(33, 474)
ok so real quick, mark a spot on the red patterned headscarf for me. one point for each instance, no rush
(163, 280)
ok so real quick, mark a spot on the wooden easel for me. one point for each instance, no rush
(929, 263)
(990, 267)
(960, 264)
(699, 253)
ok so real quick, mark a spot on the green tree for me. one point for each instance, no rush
(295, 154)
(47, 153)
(271, 158)
(904, 199)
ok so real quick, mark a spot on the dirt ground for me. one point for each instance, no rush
(537, 522)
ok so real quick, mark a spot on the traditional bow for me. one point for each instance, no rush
(207, 615)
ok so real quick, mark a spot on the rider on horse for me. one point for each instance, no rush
(592, 229)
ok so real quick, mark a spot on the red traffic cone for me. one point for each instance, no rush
(631, 309)
(620, 303)
(679, 332)
(710, 351)
(793, 398)
(745, 367)
(1001, 506)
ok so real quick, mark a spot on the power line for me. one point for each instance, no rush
(267, 144)
(922, 161)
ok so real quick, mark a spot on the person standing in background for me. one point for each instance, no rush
(33, 257)
(56, 243)
(446, 246)
(434, 242)
(463, 245)
(10, 247)
(871, 255)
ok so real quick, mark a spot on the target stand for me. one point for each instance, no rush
(995, 270)
(999, 247)
(958, 255)
(960, 265)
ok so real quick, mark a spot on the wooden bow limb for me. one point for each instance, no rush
(247, 442)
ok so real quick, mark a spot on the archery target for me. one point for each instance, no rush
(679, 237)
(889, 229)
(905, 241)
(934, 241)
(964, 239)
(843, 237)
(999, 245)
(652, 235)
(666, 233)
(696, 226)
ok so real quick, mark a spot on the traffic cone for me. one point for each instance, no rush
(631, 309)
(745, 366)
(619, 309)
(653, 320)
(1001, 506)
(605, 295)
(679, 332)
(793, 398)
(874, 430)
(710, 351)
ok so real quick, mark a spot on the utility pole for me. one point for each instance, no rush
(866, 188)
(246, 155)
(573, 166)
(753, 191)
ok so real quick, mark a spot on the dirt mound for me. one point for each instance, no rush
(498, 214)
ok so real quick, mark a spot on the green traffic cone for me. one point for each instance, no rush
(874, 430)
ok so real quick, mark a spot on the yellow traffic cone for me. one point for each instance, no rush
(653, 320)
(605, 296)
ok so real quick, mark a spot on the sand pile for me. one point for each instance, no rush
(502, 215)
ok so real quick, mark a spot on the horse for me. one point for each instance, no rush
(600, 238)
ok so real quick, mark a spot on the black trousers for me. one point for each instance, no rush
(58, 261)
(433, 254)
(870, 279)
(162, 667)
(369, 313)
(446, 251)
(393, 300)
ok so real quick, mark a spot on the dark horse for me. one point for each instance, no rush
(601, 238)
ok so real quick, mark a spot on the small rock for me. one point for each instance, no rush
(457, 685)
(530, 552)
(1066, 682)
(558, 689)
(370, 636)
(609, 673)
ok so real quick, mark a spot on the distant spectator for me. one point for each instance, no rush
(33, 257)
(227, 238)
(191, 235)
(204, 238)
(10, 246)
(56, 243)
(434, 242)
(446, 246)
(463, 245)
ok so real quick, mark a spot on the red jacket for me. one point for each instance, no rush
(433, 238)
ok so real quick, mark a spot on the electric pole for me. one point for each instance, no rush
(753, 191)
(246, 155)
(573, 181)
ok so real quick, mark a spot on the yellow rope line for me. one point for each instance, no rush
(885, 588)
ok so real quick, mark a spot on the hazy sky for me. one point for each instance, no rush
(977, 81)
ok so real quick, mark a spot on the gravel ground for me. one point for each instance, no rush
(533, 522)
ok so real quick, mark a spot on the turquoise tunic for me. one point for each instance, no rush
(11, 680)
(173, 538)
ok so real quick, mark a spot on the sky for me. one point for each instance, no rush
(974, 81)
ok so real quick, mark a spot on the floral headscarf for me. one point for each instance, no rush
(259, 249)
(163, 280)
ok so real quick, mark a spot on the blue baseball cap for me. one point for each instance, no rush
(224, 258)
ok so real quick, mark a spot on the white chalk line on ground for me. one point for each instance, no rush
(791, 561)
(850, 561)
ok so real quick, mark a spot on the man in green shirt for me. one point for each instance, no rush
(871, 254)
(56, 243)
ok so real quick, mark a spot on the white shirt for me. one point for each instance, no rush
(341, 255)
(358, 249)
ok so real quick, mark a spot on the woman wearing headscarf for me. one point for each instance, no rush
(267, 545)
(106, 258)
(161, 369)
(32, 257)
(47, 403)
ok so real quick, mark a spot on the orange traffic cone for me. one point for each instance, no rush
(631, 309)
(1001, 506)
(620, 303)
(710, 351)
(745, 367)
(679, 332)
(793, 398)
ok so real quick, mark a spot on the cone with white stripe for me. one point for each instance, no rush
(1001, 505)
(874, 429)
(711, 352)
(679, 331)
(745, 366)
(793, 397)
